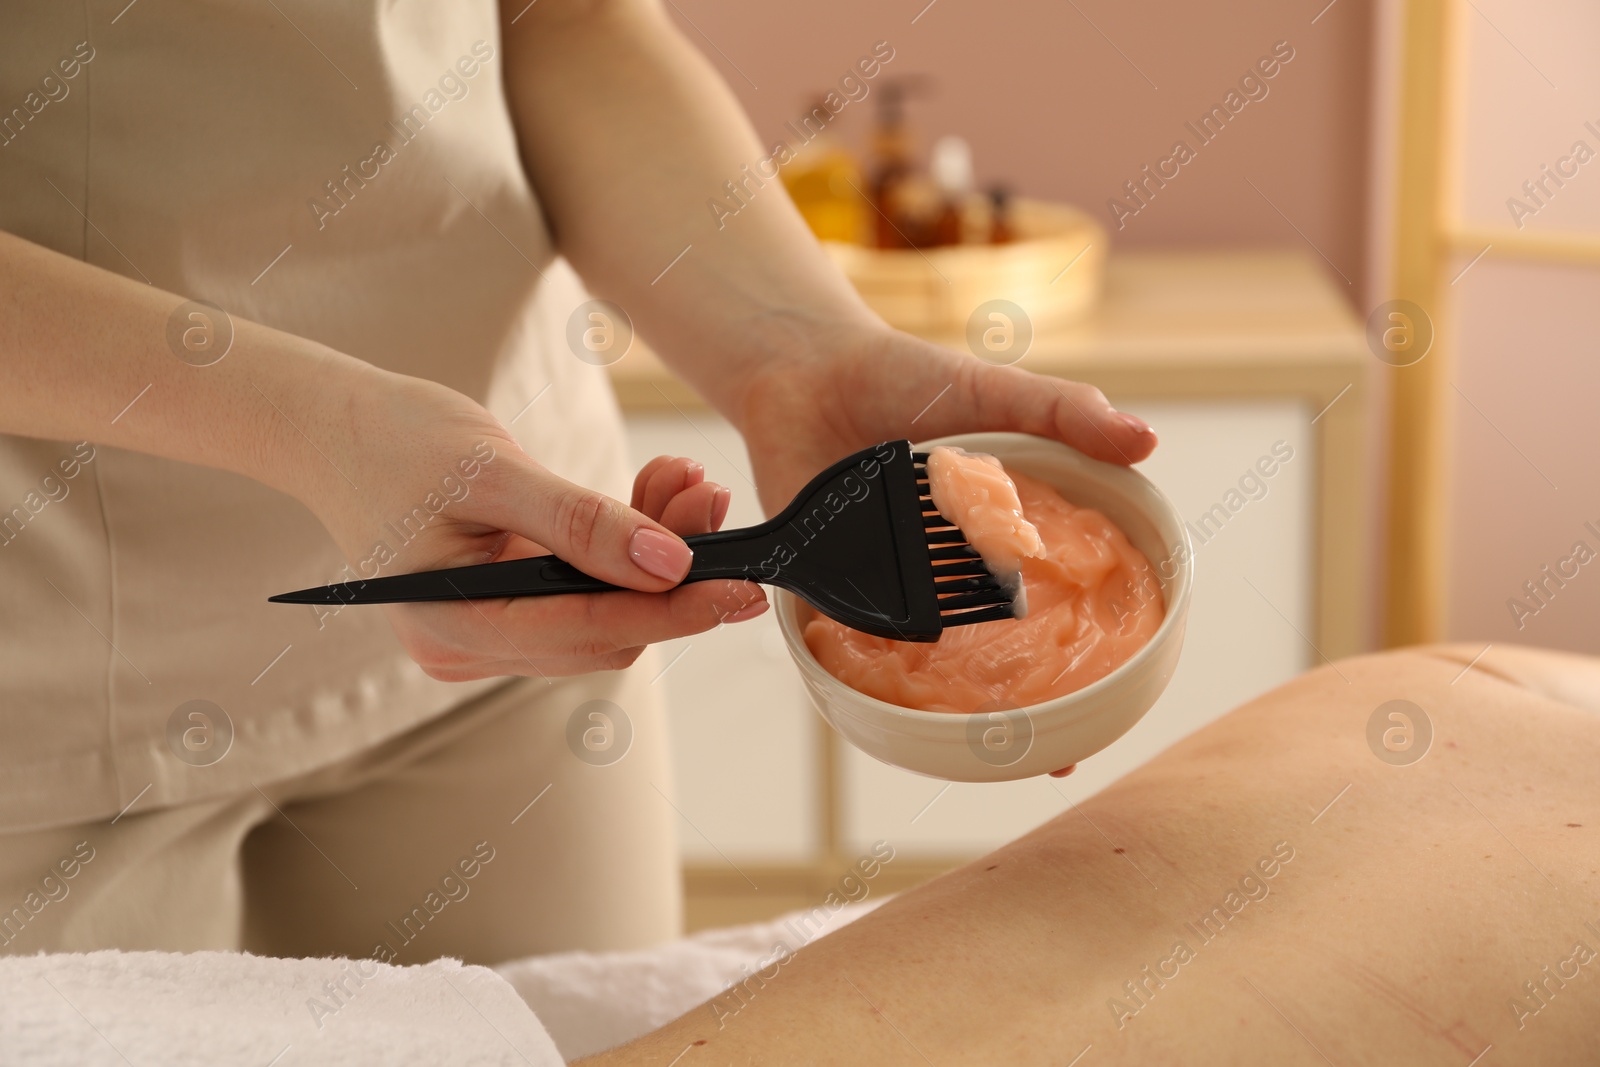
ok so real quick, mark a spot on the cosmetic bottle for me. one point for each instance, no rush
(1000, 231)
(825, 183)
(951, 169)
(892, 169)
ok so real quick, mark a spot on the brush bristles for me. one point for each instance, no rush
(968, 592)
(967, 618)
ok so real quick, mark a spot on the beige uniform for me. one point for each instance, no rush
(348, 173)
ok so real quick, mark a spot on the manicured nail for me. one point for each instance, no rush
(660, 554)
(719, 506)
(1138, 425)
(749, 611)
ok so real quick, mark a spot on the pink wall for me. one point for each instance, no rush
(1525, 486)
(1054, 108)
(1525, 381)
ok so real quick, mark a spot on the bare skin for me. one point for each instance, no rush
(1416, 901)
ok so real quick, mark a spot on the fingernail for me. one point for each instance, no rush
(719, 506)
(1138, 425)
(749, 611)
(694, 474)
(660, 554)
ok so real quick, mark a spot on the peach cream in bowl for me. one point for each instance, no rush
(1103, 570)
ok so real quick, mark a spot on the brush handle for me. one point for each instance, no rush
(740, 554)
(744, 553)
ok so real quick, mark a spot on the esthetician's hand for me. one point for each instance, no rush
(412, 441)
(865, 385)
(876, 384)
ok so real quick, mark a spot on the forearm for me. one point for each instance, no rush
(85, 355)
(626, 134)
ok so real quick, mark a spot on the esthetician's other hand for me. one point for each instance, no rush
(406, 445)
(871, 384)
(863, 384)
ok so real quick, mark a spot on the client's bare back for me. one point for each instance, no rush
(1389, 860)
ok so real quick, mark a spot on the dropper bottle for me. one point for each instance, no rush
(951, 169)
(1000, 231)
(891, 167)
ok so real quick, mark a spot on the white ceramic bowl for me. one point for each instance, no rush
(1005, 745)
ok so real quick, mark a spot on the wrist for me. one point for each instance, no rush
(308, 398)
(806, 359)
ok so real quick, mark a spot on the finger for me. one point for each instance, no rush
(598, 535)
(598, 624)
(696, 509)
(642, 479)
(668, 480)
(562, 635)
(622, 620)
(556, 667)
(566, 666)
(719, 507)
(1007, 398)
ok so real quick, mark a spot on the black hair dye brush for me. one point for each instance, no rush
(862, 543)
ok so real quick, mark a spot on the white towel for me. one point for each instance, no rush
(210, 1008)
(592, 1001)
(115, 1008)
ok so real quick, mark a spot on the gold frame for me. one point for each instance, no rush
(1429, 236)
(1414, 571)
(1574, 249)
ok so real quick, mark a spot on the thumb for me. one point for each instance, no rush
(598, 535)
(1009, 398)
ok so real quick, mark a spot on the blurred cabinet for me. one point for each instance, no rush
(1230, 357)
